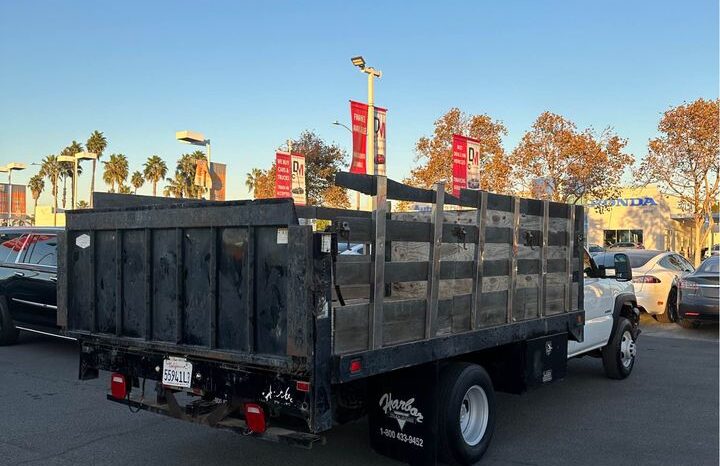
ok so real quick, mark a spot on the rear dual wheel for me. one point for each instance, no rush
(466, 417)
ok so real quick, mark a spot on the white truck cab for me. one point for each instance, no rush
(611, 315)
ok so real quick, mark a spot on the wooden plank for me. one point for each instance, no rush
(513, 257)
(499, 219)
(147, 242)
(375, 324)
(359, 273)
(433, 277)
(571, 239)
(477, 288)
(544, 258)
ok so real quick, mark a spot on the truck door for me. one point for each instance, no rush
(599, 303)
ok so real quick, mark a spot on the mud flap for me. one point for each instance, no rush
(403, 414)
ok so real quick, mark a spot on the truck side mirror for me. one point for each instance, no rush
(623, 271)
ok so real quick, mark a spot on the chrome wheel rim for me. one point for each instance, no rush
(474, 415)
(627, 349)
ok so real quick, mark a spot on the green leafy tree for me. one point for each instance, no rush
(154, 171)
(96, 143)
(116, 171)
(137, 180)
(36, 185)
(51, 168)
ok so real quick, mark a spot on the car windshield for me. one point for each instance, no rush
(711, 265)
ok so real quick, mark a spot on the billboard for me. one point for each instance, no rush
(466, 163)
(18, 199)
(358, 117)
(290, 177)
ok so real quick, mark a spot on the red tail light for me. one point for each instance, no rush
(302, 386)
(118, 386)
(355, 366)
(646, 279)
(255, 418)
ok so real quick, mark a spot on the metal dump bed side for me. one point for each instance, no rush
(226, 281)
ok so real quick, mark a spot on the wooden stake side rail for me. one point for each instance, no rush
(521, 259)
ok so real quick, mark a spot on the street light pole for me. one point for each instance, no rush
(10, 167)
(370, 166)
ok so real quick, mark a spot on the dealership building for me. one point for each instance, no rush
(646, 216)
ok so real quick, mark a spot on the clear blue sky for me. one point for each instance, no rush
(252, 74)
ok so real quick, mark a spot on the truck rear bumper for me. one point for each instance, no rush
(216, 419)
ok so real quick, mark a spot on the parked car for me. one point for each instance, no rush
(595, 249)
(698, 297)
(28, 277)
(656, 275)
(626, 245)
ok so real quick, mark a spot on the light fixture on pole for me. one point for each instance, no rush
(197, 139)
(10, 167)
(78, 157)
(359, 61)
(337, 123)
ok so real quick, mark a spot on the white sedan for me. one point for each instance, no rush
(656, 275)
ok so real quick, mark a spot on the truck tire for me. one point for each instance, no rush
(619, 354)
(8, 332)
(670, 314)
(466, 415)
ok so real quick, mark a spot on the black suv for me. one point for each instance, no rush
(28, 279)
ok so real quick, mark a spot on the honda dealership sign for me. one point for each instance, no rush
(358, 117)
(290, 177)
(623, 202)
(466, 163)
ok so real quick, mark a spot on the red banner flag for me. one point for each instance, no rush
(466, 163)
(290, 177)
(358, 117)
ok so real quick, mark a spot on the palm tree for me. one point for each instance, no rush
(68, 170)
(252, 179)
(124, 189)
(116, 171)
(82, 204)
(185, 173)
(174, 187)
(155, 170)
(36, 185)
(137, 180)
(96, 144)
(51, 169)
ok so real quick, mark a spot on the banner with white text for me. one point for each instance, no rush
(466, 163)
(358, 117)
(290, 177)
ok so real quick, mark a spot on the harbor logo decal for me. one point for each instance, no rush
(402, 411)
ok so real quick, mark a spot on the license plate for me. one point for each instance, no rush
(177, 372)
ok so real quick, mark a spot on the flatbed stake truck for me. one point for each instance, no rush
(239, 316)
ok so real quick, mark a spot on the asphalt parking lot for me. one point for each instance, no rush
(665, 413)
